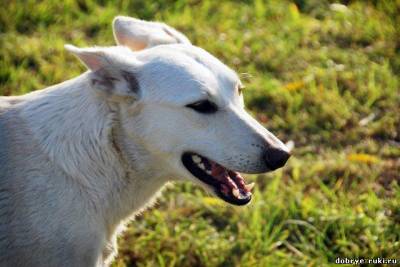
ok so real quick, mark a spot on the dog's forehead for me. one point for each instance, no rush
(187, 71)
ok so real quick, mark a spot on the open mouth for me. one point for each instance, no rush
(228, 185)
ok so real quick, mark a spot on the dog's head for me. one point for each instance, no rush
(183, 108)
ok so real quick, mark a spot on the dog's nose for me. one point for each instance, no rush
(276, 158)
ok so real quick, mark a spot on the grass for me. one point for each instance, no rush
(320, 74)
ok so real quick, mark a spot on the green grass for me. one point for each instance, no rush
(314, 74)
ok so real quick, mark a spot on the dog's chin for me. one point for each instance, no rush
(226, 184)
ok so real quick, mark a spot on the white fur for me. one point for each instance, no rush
(81, 157)
(139, 34)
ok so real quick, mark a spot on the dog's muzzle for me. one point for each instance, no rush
(228, 185)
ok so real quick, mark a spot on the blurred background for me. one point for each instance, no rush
(322, 75)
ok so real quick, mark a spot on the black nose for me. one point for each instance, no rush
(276, 158)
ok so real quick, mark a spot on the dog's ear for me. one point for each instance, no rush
(139, 34)
(105, 75)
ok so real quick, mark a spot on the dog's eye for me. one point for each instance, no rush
(203, 106)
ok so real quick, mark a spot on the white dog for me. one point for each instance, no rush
(80, 157)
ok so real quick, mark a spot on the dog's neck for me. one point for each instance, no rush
(79, 132)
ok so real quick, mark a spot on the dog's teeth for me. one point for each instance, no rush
(236, 192)
(250, 186)
(208, 172)
(201, 166)
(245, 195)
(196, 159)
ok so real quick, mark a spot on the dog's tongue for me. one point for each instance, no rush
(231, 181)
